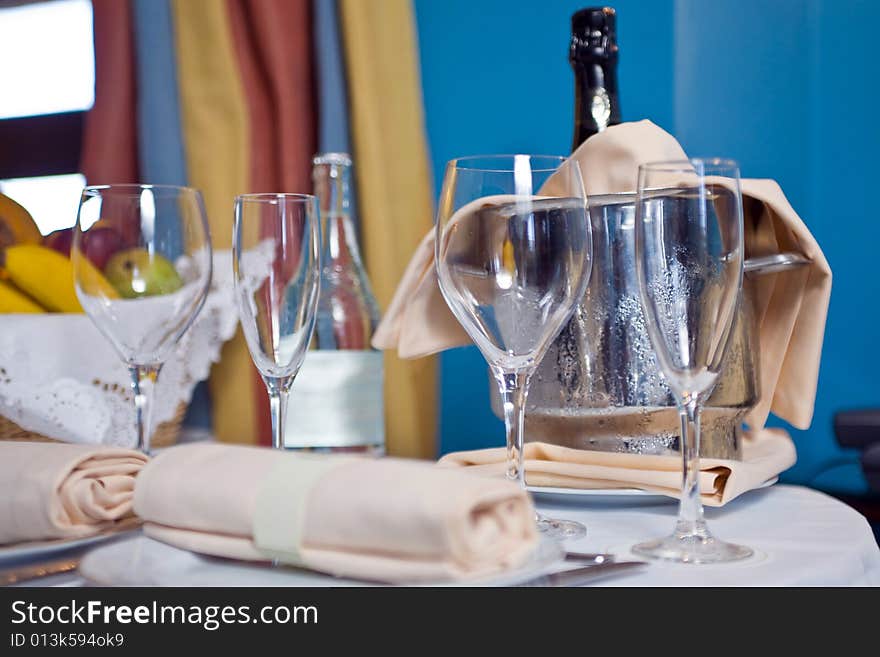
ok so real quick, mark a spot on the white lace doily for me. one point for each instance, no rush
(60, 377)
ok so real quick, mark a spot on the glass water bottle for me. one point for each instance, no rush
(336, 403)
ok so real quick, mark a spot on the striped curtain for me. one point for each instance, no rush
(235, 96)
(394, 189)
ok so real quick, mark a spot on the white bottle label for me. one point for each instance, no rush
(336, 401)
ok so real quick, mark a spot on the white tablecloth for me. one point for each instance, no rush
(803, 538)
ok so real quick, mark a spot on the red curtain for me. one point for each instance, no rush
(109, 149)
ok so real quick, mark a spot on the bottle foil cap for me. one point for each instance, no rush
(339, 159)
(594, 33)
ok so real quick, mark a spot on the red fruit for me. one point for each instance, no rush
(128, 231)
(60, 240)
(99, 244)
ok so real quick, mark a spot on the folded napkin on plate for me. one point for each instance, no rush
(387, 520)
(50, 490)
(766, 453)
(791, 306)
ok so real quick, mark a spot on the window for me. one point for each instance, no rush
(51, 200)
(48, 83)
(48, 58)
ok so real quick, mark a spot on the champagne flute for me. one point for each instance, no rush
(689, 255)
(277, 265)
(142, 267)
(513, 257)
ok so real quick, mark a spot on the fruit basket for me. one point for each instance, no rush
(61, 380)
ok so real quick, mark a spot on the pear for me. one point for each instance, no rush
(136, 273)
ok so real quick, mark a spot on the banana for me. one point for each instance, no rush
(44, 274)
(13, 301)
(16, 224)
(93, 282)
(47, 276)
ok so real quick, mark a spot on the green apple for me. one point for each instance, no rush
(136, 273)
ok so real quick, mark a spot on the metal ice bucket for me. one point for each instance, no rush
(599, 386)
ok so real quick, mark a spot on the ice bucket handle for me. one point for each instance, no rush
(777, 262)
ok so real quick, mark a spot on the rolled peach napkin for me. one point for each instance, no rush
(792, 306)
(386, 520)
(766, 453)
(50, 490)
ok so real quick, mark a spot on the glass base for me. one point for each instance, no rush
(698, 547)
(560, 529)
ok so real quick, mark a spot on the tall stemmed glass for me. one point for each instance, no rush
(275, 243)
(513, 257)
(142, 267)
(689, 253)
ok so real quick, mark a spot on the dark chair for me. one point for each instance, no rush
(861, 430)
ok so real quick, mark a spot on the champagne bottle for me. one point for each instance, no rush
(337, 402)
(593, 56)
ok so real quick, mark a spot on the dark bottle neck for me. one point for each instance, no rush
(596, 105)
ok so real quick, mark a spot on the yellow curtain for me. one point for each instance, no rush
(215, 128)
(394, 190)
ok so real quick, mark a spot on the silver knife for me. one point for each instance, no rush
(27, 572)
(581, 576)
(590, 557)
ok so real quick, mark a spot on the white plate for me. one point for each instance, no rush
(608, 496)
(143, 561)
(33, 550)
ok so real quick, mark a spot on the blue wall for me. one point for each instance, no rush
(784, 86)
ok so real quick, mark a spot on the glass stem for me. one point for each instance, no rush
(514, 388)
(690, 508)
(278, 394)
(143, 383)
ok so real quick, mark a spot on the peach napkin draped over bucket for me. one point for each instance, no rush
(386, 520)
(50, 490)
(791, 306)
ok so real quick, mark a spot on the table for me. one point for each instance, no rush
(802, 537)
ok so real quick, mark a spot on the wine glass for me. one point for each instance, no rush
(689, 256)
(142, 267)
(275, 243)
(513, 257)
